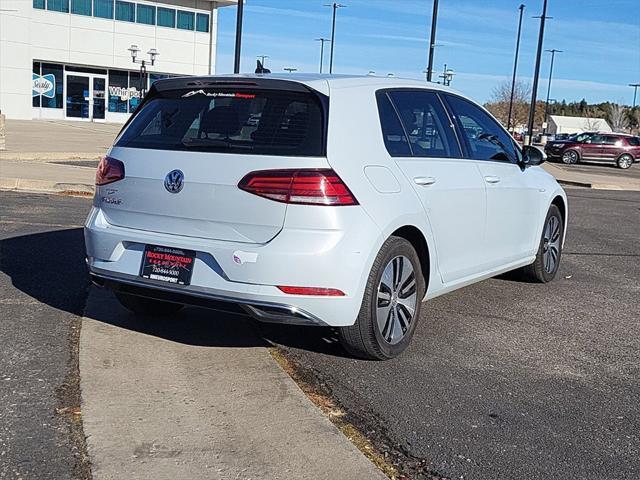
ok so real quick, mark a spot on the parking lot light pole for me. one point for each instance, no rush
(546, 104)
(432, 41)
(515, 67)
(236, 60)
(335, 7)
(536, 74)
(322, 40)
(635, 92)
(153, 53)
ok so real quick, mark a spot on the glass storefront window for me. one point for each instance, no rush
(118, 90)
(154, 77)
(55, 70)
(36, 69)
(58, 5)
(38, 4)
(186, 20)
(134, 89)
(166, 17)
(81, 7)
(202, 22)
(103, 8)
(125, 11)
(146, 14)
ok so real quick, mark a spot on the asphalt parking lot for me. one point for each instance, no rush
(504, 379)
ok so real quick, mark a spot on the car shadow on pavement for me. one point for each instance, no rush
(50, 267)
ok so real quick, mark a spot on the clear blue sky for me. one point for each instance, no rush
(600, 40)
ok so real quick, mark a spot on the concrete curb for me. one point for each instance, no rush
(46, 156)
(48, 186)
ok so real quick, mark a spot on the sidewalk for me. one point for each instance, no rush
(565, 176)
(57, 139)
(198, 396)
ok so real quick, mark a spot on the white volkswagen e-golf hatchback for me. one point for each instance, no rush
(317, 200)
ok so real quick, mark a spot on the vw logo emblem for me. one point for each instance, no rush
(174, 181)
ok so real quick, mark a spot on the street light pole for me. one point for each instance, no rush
(553, 52)
(335, 7)
(236, 61)
(536, 73)
(635, 92)
(321, 40)
(515, 67)
(432, 41)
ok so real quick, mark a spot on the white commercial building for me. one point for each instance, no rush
(562, 124)
(71, 59)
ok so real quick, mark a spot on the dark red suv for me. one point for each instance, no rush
(621, 149)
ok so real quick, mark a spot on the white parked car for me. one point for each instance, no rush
(318, 200)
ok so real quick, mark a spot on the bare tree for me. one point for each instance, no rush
(619, 118)
(498, 104)
(592, 124)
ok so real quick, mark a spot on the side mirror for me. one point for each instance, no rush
(532, 156)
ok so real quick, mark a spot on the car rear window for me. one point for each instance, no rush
(258, 122)
(634, 141)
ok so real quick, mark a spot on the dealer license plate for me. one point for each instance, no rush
(166, 264)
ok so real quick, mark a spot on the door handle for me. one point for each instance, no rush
(491, 179)
(424, 181)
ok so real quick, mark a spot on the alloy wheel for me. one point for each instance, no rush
(625, 161)
(396, 300)
(551, 244)
(570, 157)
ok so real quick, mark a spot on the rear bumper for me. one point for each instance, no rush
(329, 249)
(262, 311)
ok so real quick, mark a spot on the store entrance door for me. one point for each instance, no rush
(85, 97)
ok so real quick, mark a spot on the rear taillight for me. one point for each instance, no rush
(109, 170)
(306, 187)
(316, 291)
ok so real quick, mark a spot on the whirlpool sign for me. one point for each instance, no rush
(44, 85)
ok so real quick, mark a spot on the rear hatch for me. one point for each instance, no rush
(191, 143)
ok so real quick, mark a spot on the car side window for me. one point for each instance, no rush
(595, 139)
(613, 141)
(392, 132)
(426, 123)
(483, 136)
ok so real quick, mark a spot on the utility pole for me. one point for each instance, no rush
(553, 52)
(335, 7)
(262, 59)
(236, 61)
(432, 42)
(290, 69)
(322, 40)
(635, 92)
(515, 67)
(536, 74)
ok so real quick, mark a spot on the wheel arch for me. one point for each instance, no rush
(560, 202)
(417, 239)
(577, 150)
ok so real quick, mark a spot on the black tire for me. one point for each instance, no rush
(538, 271)
(147, 306)
(570, 157)
(364, 339)
(624, 161)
